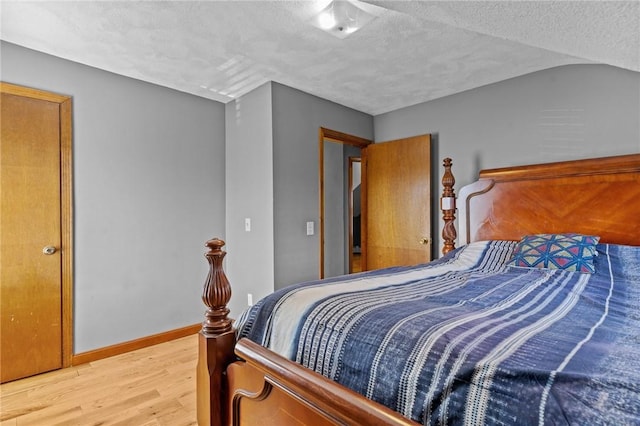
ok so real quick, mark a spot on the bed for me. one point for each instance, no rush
(483, 335)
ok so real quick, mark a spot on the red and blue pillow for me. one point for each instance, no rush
(572, 252)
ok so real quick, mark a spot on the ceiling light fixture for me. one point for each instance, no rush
(326, 20)
(344, 17)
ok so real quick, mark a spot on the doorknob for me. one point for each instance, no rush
(49, 250)
(424, 240)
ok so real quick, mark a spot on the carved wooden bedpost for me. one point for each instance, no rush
(448, 207)
(215, 342)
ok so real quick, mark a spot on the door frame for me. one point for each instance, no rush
(341, 138)
(66, 205)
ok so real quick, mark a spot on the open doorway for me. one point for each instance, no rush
(355, 215)
(336, 199)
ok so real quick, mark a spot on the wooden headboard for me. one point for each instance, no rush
(598, 196)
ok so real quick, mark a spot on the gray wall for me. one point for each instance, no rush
(297, 116)
(334, 209)
(249, 186)
(272, 178)
(565, 113)
(148, 190)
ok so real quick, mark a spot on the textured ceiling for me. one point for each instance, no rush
(413, 52)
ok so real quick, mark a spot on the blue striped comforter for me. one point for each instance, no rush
(468, 340)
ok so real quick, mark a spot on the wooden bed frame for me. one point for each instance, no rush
(244, 383)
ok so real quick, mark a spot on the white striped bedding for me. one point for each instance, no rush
(469, 340)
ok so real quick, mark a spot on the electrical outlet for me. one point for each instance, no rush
(247, 224)
(249, 299)
(310, 230)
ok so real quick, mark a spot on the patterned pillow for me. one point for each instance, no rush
(573, 252)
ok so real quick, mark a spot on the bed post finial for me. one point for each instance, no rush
(217, 291)
(215, 341)
(448, 207)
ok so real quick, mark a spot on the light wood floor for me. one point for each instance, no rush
(356, 264)
(151, 386)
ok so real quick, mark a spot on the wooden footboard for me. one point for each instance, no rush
(267, 389)
(253, 385)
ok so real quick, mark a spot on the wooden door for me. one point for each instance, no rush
(35, 129)
(397, 203)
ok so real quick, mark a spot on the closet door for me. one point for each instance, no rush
(31, 238)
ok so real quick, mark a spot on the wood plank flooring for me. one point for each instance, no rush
(150, 386)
